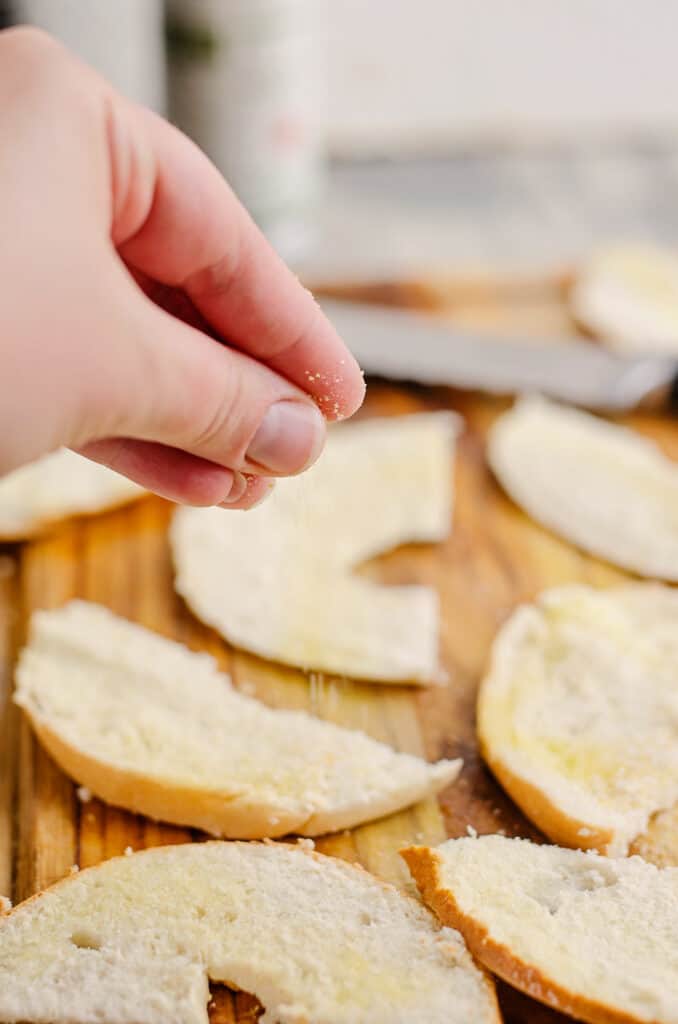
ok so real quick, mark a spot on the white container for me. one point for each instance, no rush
(123, 39)
(248, 83)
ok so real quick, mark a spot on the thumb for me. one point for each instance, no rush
(204, 410)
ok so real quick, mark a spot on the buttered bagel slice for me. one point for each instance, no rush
(150, 726)
(627, 295)
(594, 937)
(578, 713)
(55, 487)
(135, 940)
(601, 486)
(281, 580)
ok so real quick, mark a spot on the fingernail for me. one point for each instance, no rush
(268, 490)
(238, 488)
(290, 437)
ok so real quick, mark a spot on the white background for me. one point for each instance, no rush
(427, 73)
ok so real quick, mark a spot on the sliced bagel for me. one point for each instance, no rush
(601, 486)
(135, 940)
(148, 725)
(594, 937)
(279, 581)
(627, 296)
(57, 487)
(578, 714)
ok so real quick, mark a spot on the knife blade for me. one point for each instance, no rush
(406, 346)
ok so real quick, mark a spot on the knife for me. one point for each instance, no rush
(406, 346)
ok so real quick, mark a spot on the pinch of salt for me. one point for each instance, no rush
(471, 831)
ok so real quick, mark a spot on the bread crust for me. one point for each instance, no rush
(424, 865)
(304, 846)
(560, 828)
(493, 718)
(224, 813)
(305, 849)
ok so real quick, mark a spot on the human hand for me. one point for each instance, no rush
(145, 321)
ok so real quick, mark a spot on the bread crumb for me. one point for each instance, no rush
(471, 831)
(84, 794)
(5, 905)
(305, 843)
(74, 868)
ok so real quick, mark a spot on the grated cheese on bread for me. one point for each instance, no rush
(578, 713)
(592, 936)
(601, 486)
(135, 940)
(146, 724)
(280, 581)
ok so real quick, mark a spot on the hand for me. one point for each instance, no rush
(144, 319)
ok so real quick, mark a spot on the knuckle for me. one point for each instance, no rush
(32, 50)
(216, 420)
(40, 69)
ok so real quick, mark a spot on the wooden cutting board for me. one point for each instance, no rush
(494, 559)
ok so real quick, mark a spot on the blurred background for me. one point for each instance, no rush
(392, 138)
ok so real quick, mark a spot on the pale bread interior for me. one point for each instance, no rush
(280, 580)
(135, 940)
(581, 704)
(574, 929)
(147, 724)
(628, 297)
(601, 486)
(58, 486)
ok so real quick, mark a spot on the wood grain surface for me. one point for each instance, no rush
(495, 558)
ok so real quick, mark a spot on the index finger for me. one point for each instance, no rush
(176, 220)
